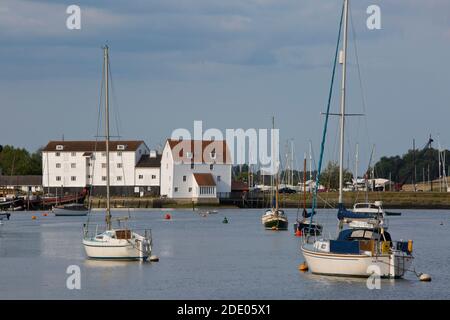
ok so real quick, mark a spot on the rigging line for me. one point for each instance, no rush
(115, 104)
(361, 85)
(117, 119)
(99, 114)
(322, 146)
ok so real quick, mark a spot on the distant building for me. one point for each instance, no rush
(195, 169)
(21, 183)
(73, 165)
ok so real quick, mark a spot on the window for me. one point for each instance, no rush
(153, 176)
(103, 165)
(218, 178)
(119, 165)
(89, 176)
(192, 165)
(57, 154)
(73, 165)
(73, 178)
(211, 167)
(184, 178)
(119, 178)
(103, 178)
(141, 176)
(189, 155)
(58, 178)
(73, 154)
(58, 165)
(176, 189)
(190, 189)
(119, 154)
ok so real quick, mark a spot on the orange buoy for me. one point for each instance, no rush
(167, 216)
(298, 233)
(303, 267)
(45, 214)
(33, 217)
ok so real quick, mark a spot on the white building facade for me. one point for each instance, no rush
(80, 164)
(195, 169)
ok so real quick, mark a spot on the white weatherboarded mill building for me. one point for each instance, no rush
(72, 165)
(195, 169)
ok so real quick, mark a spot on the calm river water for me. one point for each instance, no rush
(202, 258)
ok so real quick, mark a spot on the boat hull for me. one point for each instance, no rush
(119, 250)
(4, 215)
(69, 213)
(276, 223)
(307, 228)
(356, 265)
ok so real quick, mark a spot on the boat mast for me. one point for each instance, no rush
(106, 69)
(344, 73)
(275, 165)
(304, 182)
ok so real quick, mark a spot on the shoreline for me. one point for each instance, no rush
(390, 200)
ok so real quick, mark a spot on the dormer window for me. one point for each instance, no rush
(120, 147)
(59, 147)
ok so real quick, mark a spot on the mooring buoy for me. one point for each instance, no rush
(425, 277)
(303, 266)
(154, 258)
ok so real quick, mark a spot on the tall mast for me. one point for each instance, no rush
(344, 73)
(276, 165)
(106, 69)
(304, 182)
(310, 166)
(356, 165)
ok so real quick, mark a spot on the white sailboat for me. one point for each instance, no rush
(364, 247)
(120, 243)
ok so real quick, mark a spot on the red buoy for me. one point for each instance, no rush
(298, 233)
(167, 216)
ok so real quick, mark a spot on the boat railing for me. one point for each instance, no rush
(91, 230)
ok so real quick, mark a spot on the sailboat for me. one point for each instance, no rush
(275, 218)
(305, 226)
(120, 243)
(363, 245)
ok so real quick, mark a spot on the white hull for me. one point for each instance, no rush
(136, 248)
(357, 265)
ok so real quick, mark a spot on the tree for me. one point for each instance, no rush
(330, 176)
(17, 161)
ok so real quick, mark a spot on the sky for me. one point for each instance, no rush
(231, 64)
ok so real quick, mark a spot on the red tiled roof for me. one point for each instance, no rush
(204, 179)
(200, 151)
(238, 186)
(86, 146)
